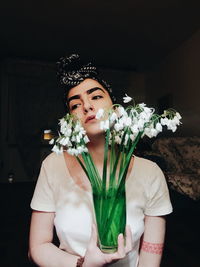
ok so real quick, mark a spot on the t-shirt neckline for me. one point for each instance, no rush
(89, 191)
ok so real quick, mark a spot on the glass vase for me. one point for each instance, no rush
(110, 211)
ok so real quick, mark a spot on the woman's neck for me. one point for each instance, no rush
(96, 148)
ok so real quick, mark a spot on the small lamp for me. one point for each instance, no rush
(48, 135)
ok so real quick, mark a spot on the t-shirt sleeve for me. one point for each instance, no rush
(158, 202)
(43, 199)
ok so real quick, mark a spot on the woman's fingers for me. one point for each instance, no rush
(121, 249)
(129, 239)
(119, 254)
(95, 257)
(124, 246)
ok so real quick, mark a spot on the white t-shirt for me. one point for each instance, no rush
(56, 191)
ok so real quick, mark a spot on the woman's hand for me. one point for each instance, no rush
(94, 257)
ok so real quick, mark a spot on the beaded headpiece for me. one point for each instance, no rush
(71, 72)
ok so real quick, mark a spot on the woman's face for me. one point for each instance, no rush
(85, 100)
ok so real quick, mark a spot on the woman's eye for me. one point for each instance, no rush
(97, 97)
(74, 106)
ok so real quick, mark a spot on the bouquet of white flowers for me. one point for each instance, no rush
(123, 130)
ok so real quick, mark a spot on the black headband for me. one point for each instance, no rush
(71, 72)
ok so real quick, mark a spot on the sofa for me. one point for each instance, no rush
(179, 158)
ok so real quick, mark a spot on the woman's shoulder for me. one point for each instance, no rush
(147, 169)
(144, 163)
(52, 159)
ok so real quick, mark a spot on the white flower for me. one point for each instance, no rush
(154, 132)
(57, 150)
(113, 117)
(176, 120)
(85, 149)
(118, 139)
(64, 141)
(128, 121)
(68, 131)
(140, 124)
(158, 127)
(121, 111)
(122, 121)
(127, 98)
(63, 122)
(82, 131)
(78, 127)
(51, 142)
(145, 115)
(135, 119)
(72, 136)
(142, 105)
(172, 126)
(118, 126)
(150, 132)
(104, 125)
(134, 129)
(63, 127)
(132, 137)
(164, 121)
(71, 151)
(86, 139)
(99, 114)
(78, 139)
(126, 139)
(148, 110)
(77, 151)
(124, 124)
(178, 115)
(80, 149)
(147, 132)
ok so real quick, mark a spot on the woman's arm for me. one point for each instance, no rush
(45, 254)
(41, 249)
(152, 242)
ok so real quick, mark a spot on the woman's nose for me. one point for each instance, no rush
(87, 106)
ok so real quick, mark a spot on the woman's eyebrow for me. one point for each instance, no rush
(90, 91)
(94, 89)
(73, 97)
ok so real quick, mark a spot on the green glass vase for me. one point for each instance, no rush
(110, 211)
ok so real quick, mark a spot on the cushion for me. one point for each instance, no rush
(182, 154)
(185, 184)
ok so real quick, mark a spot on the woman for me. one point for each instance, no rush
(63, 193)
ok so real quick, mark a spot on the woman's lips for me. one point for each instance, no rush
(89, 118)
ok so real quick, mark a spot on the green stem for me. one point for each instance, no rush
(105, 160)
(82, 165)
(112, 180)
(128, 158)
(93, 174)
(109, 218)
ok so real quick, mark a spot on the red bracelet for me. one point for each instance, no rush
(80, 262)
